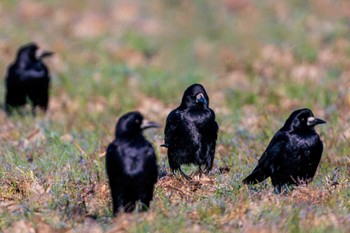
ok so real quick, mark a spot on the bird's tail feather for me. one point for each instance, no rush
(257, 176)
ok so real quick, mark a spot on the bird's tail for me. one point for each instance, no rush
(257, 176)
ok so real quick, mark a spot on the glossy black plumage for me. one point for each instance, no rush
(131, 163)
(191, 131)
(27, 79)
(293, 154)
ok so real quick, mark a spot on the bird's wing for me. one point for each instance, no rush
(274, 147)
(216, 128)
(263, 169)
(11, 76)
(318, 154)
(151, 164)
(213, 126)
(31, 73)
(171, 126)
(113, 165)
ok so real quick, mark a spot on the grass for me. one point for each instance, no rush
(258, 61)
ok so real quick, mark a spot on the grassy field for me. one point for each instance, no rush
(259, 61)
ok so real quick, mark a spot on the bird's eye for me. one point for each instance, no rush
(137, 121)
(302, 119)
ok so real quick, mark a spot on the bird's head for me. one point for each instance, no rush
(27, 52)
(132, 124)
(31, 52)
(303, 119)
(195, 95)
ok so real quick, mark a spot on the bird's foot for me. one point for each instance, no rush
(188, 178)
(284, 189)
(197, 173)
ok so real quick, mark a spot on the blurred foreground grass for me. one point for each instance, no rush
(258, 61)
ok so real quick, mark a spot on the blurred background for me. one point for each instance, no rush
(258, 60)
(271, 56)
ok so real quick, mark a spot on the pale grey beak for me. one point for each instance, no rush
(40, 54)
(149, 124)
(201, 99)
(312, 121)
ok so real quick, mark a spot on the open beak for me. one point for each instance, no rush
(40, 54)
(312, 121)
(201, 99)
(149, 124)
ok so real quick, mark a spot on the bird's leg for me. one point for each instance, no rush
(143, 207)
(173, 171)
(288, 187)
(200, 171)
(117, 201)
(184, 175)
(145, 199)
(277, 189)
(207, 170)
(129, 206)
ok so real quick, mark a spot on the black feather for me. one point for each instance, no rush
(131, 164)
(27, 78)
(191, 131)
(293, 154)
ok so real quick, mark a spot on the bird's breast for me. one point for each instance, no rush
(200, 118)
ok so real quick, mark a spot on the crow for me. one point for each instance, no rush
(27, 79)
(191, 132)
(293, 154)
(131, 164)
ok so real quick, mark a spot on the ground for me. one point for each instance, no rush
(258, 60)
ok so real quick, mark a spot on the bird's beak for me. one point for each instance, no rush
(40, 54)
(312, 121)
(201, 99)
(149, 124)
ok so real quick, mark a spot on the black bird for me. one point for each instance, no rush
(131, 164)
(28, 79)
(191, 131)
(293, 154)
